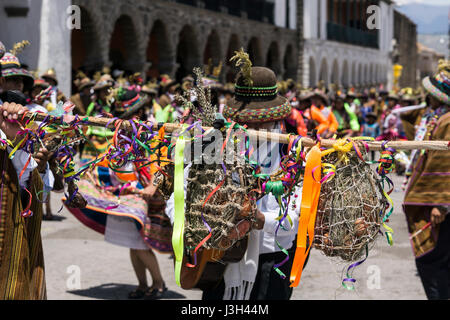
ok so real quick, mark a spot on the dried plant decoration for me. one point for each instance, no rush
(202, 111)
(243, 61)
(19, 47)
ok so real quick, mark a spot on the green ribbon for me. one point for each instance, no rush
(178, 225)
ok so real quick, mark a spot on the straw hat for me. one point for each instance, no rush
(439, 85)
(50, 74)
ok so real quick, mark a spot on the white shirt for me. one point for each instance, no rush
(19, 161)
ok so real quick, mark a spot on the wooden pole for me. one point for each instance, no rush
(269, 136)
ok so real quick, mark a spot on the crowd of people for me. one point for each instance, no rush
(142, 221)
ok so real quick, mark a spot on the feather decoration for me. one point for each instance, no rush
(19, 47)
(243, 61)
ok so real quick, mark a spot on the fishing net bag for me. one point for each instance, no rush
(220, 202)
(351, 208)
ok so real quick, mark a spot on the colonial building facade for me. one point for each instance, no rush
(339, 46)
(173, 37)
(152, 36)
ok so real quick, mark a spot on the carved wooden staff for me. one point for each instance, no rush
(269, 136)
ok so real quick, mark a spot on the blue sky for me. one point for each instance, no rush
(437, 2)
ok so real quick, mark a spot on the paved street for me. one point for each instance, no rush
(106, 273)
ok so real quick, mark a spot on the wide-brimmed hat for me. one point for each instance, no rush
(105, 81)
(393, 96)
(212, 83)
(150, 88)
(11, 67)
(256, 98)
(320, 94)
(2, 50)
(128, 102)
(50, 74)
(41, 83)
(188, 80)
(85, 83)
(167, 82)
(439, 85)
(305, 95)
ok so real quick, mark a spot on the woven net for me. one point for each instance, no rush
(229, 212)
(350, 210)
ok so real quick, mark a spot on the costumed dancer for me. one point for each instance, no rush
(295, 123)
(346, 118)
(56, 94)
(320, 100)
(427, 199)
(258, 105)
(101, 105)
(22, 274)
(313, 116)
(264, 112)
(82, 99)
(392, 128)
(119, 206)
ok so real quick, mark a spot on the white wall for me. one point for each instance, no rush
(280, 13)
(45, 28)
(55, 49)
(16, 29)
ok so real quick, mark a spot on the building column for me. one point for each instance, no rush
(300, 41)
(55, 44)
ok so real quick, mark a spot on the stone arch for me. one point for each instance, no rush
(290, 63)
(159, 50)
(273, 59)
(124, 46)
(213, 49)
(188, 55)
(234, 44)
(345, 81)
(85, 45)
(312, 72)
(254, 50)
(323, 73)
(335, 73)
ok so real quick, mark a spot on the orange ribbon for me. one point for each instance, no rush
(310, 200)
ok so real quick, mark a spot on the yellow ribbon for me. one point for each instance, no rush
(178, 226)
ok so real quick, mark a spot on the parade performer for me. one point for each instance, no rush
(82, 99)
(119, 207)
(264, 112)
(15, 77)
(427, 199)
(312, 115)
(21, 258)
(346, 118)
(98, 136)
(258, 105)
(321, 101)
(295, 123)
(56, 95)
